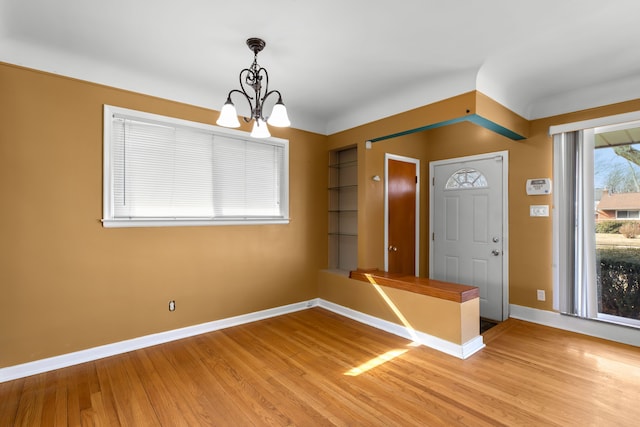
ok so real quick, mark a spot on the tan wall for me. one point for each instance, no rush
(370, 202)
(529, 238)
(412, 146)
(530, 249)
(497, 113)
(69, 284)
(437, 112)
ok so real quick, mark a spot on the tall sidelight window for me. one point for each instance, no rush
(161, 171)
(596, 222)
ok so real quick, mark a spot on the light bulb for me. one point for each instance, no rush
(260, 129)
(279, 116)
(228, 115)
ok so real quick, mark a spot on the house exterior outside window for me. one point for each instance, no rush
(613, 206)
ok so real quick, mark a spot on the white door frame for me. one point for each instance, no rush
(387, 157)
(505, 216)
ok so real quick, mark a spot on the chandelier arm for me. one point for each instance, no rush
(260, 76)
(250, 77)
(271, 93)
(248, 72)
(266, 85)
(268, 94)
(246, 97)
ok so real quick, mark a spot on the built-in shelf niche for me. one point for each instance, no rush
(343, 209)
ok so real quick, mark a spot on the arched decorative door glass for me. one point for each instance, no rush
(466, 178)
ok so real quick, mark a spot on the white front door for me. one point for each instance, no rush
(467, 227)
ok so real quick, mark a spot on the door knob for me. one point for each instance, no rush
(495, 252)
(496, 239)
(393, 248)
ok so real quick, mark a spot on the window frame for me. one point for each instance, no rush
(574, 283)
(628, 211)
(108, 206)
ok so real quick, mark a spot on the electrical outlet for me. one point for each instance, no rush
(172, 305)
(541, 295)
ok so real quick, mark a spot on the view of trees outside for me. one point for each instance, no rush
(617, 170)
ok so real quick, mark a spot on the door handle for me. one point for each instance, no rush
(393, 249)
(495, 252)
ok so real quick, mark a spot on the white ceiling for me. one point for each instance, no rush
(340, 63)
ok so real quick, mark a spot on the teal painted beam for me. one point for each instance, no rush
(493, 126)
(473, 118)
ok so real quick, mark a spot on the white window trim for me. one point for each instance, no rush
(594, 123)
(623, 321)
(108, 221)
(587, 127)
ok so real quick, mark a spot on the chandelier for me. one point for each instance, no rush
(254, 88)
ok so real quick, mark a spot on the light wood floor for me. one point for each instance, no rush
(291, 370)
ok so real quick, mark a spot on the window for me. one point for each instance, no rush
(627, 214)
(597, 259)
(466, 179)
(161, 171)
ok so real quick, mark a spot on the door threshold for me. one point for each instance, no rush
(486, 324)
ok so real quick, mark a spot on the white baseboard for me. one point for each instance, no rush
(594, 328)
(460, 351)
(91, 354)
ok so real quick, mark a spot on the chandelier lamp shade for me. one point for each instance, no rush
(254, 88)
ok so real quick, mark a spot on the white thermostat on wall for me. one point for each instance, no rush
(538, 186)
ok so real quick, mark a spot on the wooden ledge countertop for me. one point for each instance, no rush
(419, 285)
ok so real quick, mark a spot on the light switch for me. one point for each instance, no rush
(539, 210)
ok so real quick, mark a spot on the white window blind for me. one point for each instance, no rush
(165, 171)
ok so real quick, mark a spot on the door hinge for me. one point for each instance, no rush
(433, 181)
(416, 179)
(433, 236)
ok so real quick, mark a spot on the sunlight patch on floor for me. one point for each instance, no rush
(375, 362)
(392, 354)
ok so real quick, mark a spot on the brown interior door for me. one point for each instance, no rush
(401, 196)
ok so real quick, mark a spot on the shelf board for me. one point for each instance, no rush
(344, 164)
(344, 187)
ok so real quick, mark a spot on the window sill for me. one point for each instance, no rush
(128, 223)
(619, 321)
